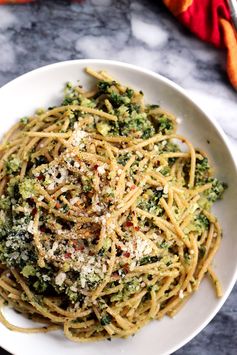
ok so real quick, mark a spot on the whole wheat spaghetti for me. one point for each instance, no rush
(105, 221)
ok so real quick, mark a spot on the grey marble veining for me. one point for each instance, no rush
(140, 32)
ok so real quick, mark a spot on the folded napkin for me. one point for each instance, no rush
(210, 20)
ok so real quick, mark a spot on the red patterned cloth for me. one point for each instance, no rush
(210, 20)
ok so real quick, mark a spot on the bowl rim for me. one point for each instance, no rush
(207, 116)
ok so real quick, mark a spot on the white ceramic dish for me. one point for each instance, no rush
(44, 87)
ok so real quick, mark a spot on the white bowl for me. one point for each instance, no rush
(44, 87)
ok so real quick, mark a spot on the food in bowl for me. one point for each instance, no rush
(106, 216)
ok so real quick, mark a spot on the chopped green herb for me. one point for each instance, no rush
(164, 245)
(202, 251)
(187, 258)
(24, 120)
(103, 86)
(149, 260)
(216, 191)
(106, 319)
(129, 92)
(28, 270)
(165, 171)
(202, 222)
(27, 188)
(13, 165)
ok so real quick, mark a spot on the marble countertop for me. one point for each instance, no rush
(141, 32)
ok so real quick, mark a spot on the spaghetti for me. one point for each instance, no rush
(105, 218)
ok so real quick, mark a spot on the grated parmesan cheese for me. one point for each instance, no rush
(137, 248)
(74, 200)
(139, 154)
(104, 268)
(132, 265)
(31, 228)
(103, 220)
(166, 189)
(60, 278)
(2, 216)
(77, 136)
(101, 169)
(73, 288)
